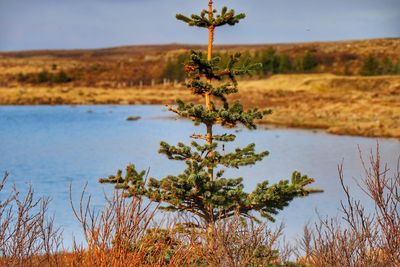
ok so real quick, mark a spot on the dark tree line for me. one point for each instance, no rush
(44, 77)
(272, 63)
(373, 66)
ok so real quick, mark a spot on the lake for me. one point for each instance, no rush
(51, 147)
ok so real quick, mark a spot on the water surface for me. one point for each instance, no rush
(51, 147)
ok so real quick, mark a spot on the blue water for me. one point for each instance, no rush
(51, 147)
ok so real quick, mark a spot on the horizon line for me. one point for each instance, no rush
(193, 44)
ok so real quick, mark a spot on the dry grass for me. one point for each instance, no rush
(87, 95)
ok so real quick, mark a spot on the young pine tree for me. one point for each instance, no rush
(202, 189)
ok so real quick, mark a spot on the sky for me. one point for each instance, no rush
(68, 24)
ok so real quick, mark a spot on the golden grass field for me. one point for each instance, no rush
(350, 105)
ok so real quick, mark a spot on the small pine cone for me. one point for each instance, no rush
(189, 68)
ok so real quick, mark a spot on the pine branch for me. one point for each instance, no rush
(242, 157)
(224, 18)
(225, 137)
(226, 116)
(181, 152)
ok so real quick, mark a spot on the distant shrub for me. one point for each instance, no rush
(326, 60)
(347, 69)
(387, 66)
(97, 68)
(285, 63)
(21, 77)
(348, 57)
(397, 67)
(370, 66)
(309, 62)
(43, 77)
(173, 69)
(270, 61)
(61, 77)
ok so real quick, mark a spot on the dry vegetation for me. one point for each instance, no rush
(126, 66)
(131, 232)
(28, 236)
(360, 238)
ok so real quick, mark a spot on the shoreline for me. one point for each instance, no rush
(261, 125)
(342, 105)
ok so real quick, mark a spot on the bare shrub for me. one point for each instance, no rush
(28, 236)
(360, 238)
(129, 232)
(124, 232)
(234, 242)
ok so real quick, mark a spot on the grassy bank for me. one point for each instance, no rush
(364, 106)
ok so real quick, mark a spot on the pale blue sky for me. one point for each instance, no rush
(65, 24)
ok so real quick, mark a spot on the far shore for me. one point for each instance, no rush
(345, 105)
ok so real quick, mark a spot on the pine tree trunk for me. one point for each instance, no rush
(210, 227)
(208, 96)
(210, 31)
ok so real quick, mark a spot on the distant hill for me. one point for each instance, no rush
(145, 64)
